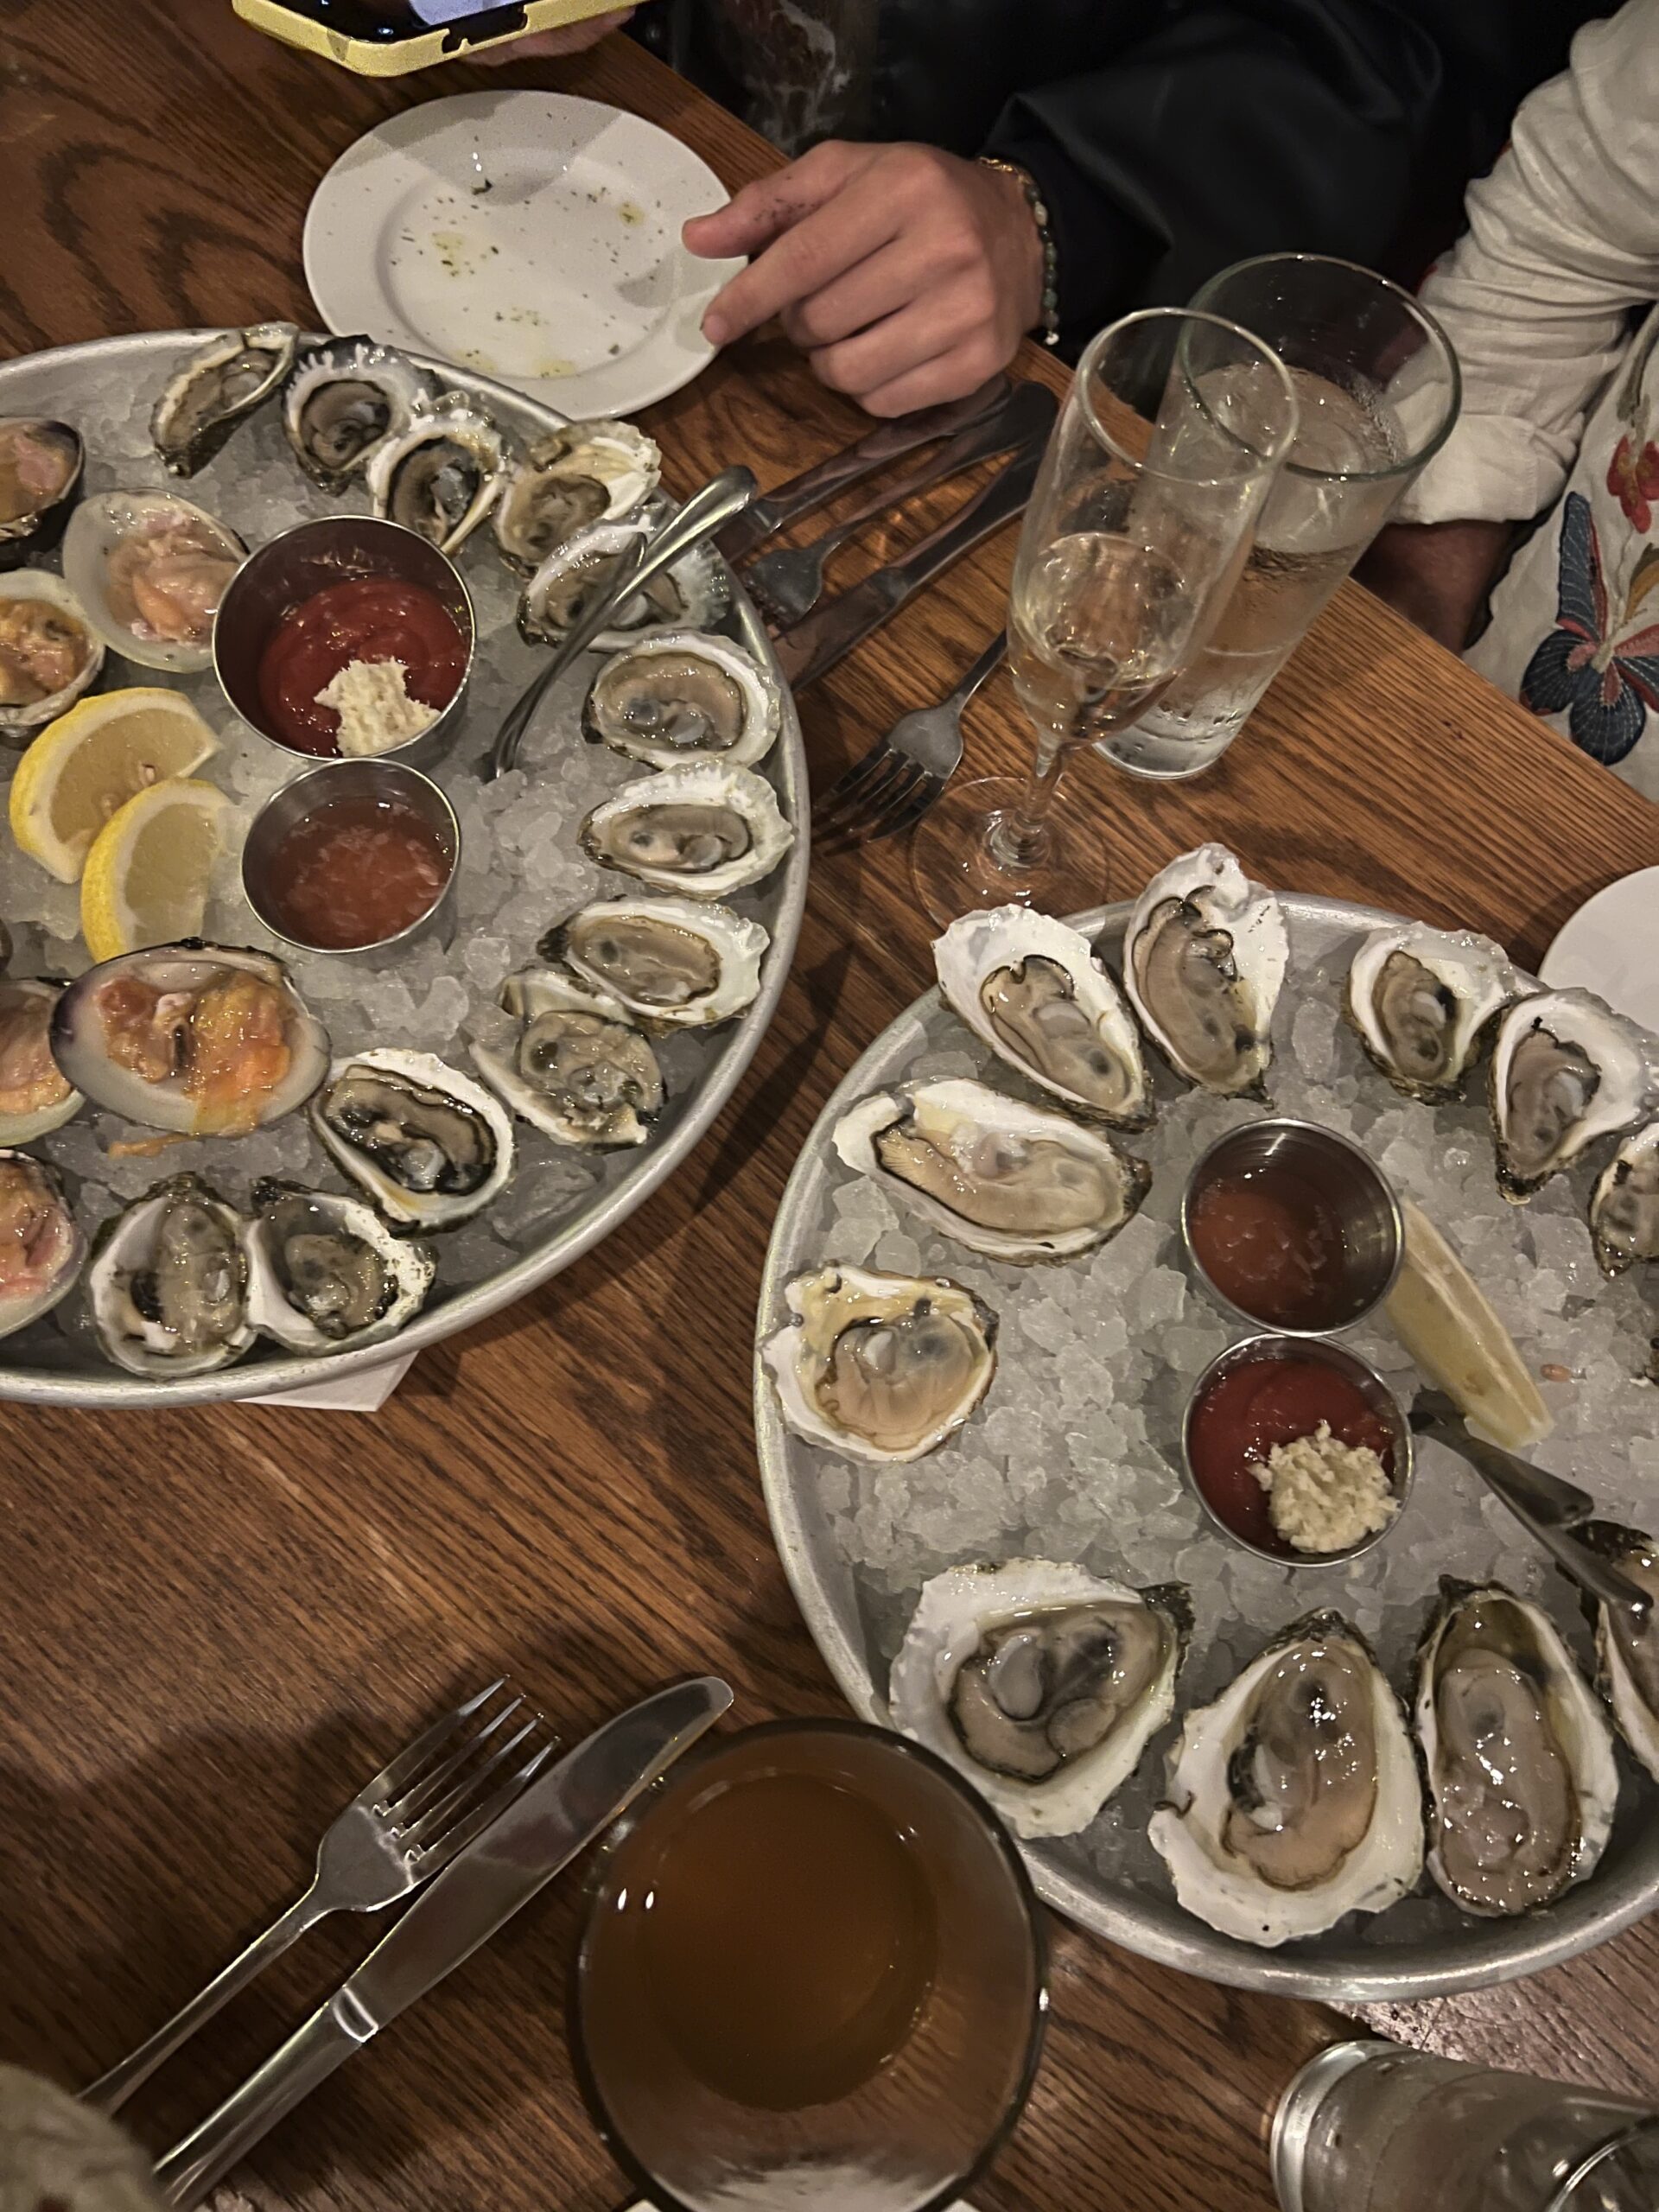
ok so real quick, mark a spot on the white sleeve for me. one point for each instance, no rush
(1536, 297)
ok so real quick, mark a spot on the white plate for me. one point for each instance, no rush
(524, 236)
(1612, 946)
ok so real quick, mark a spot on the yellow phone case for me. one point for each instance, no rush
(367, 57)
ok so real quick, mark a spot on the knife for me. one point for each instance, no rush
(890, 441)
(560, 1814)
(830, 632)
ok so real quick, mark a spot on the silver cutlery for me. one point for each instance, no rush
(418, 1815)
(723, 497)
(830, 632)
(889, 441)
(893, 785)
(562, 1812)
(788, 584)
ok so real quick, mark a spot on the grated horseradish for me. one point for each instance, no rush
(1324, 1495)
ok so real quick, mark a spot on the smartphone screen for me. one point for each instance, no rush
(387, 22)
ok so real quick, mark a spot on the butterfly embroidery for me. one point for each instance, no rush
(1605, 687)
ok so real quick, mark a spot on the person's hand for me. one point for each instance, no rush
(548, 46)
(908, 275)
(1437, 574)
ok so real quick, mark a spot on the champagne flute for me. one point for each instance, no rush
(1175, 426)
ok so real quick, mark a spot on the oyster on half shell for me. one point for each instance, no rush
(670, 963)
(1205, 956)
(168, 1283)
(442, 474)
(1421, 1000)
(326, 1274)
(427, 1144)
(881, 1367)
(1627, 1651)
(219, 387)
(344, 401)
(691, 594)
(684, 694)
(1518, 1751)
(1625, 1206)
(1565, 1070)
(1014, 1181)
(1042, 1683)
(704, 829)
(582, 473)
(578, 1068)
(1295, 1798)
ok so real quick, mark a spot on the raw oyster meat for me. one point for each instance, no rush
(442, 474)
(1627, 1650)
(49, 651)
(1624, 1206)
(1295, 1798)
(702, 828)
(167, 1285)
(344, 401)
(1042, 1683)
(1565, 1070)
(695, 591)
(1421, 999)
(1518, 1751)
(684, 695)
(205, 1040)
(218, 387)
(582, 474)
(427, 1144)
(578, 1069)
(670, 963)
(150, 570)
(1035, 991)
(881, 1367)
(41, 1248)
(34, 1094)
(1014, 1181)
(326, 1274)
(1204, 960)
(41, 466)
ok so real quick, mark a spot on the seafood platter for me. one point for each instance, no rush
(1089, 1473)
(316, 1044)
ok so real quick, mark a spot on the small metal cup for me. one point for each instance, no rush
(339, 549)
(1344, 1177)
(377, 778)
(1372, 1387)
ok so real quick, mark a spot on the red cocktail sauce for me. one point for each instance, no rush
(1271, 1245)
(369, 618)
(1247, 1410)
(356, 872)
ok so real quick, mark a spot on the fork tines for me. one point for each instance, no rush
(879, 796)
(424, 1792)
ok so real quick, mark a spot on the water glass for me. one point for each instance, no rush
(1377, 388)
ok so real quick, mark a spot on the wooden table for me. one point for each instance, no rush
(214, 1622)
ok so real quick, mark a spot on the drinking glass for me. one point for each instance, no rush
(1368, 2127)
(852, 2023)
(1155, 472)
(1377, 388)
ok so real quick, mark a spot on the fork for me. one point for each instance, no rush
(788, 584)
(893, 785)
(416, 1815)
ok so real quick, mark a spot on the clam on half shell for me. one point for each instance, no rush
(49, 651)
(36, 1096)
(150, 569)
(42, 464)
(1565, 1071)
(1205, 956)
(42, 1248)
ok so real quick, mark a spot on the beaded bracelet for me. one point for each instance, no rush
(1049, 319)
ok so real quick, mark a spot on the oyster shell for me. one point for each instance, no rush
(40, 1247)
(1565, 1070)
(168, 1284)
(681, 695)
(1421, 999)
(1204, 959)
(221, 385)
(691, 594)
(1518, 1751)
(427, 1144)
(1042, 1684)
(579, 1070)
(1035, 991)
(881, 1367)
(49, 651)
(1014, 1181)
(150, 569)
(583, 473)
(442, 474)
(326, 1274)
(40, 467)
(1627, 1651)
(1294, 1798)
(34, 1094)
(703, 827)
(206, 1040)
(1625, 1206)
(670, 963)
(344, 401)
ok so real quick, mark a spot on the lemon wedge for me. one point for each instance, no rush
(92, 760)
(148, 872)
(1441, 1315)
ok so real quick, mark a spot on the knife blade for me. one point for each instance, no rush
(830, 632)
(561, 1812)
(888, 442)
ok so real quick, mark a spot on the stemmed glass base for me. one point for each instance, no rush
(964, 856)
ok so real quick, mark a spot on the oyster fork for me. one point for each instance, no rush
(891, 786)
(400, 1829)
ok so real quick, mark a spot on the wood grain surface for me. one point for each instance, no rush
(215, 1624)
